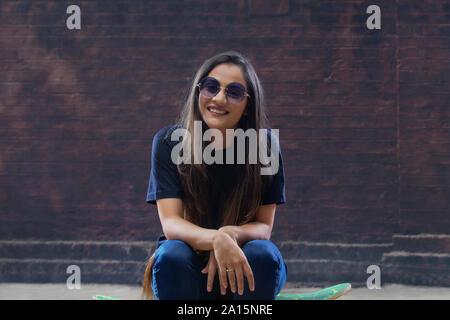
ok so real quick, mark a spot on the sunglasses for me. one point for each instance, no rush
(210, 87)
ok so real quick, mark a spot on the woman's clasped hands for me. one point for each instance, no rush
(232, 265)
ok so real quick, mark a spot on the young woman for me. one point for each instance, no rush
(216, 218)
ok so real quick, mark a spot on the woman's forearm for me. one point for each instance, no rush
(249, 231)
(197, 237)
(203, 239)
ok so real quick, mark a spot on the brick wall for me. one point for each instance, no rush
(363, 114)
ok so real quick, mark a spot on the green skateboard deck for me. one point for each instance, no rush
(330, 293)
(100, 297)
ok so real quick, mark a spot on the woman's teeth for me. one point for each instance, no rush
(217, 111)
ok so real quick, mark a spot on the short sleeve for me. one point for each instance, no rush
(164, 179)
(275, 193)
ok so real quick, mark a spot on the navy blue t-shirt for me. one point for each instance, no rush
(165, 181)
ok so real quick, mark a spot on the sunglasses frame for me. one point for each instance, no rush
(221, 87)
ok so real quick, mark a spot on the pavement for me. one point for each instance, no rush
(30, 291)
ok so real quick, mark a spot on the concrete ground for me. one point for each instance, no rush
(27, 291)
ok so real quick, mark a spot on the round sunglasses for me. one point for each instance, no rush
(210, 87)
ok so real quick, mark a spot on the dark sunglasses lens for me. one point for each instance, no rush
(209, 87)
(236, 92)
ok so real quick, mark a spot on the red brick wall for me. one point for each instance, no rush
(363, 114)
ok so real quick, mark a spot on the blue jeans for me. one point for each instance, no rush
(176, 272)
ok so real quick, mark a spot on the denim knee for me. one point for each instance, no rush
(173, 252)
(269, 269)
(264, 253)
(174, 271)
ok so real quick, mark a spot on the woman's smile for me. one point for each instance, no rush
(216, 111)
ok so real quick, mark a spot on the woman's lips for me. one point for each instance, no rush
(217, 114)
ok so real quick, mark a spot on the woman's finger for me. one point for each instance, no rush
(206, 268)
(231, 278)
(240, 280)
(211, 273)
(249, 274)
(223, 280)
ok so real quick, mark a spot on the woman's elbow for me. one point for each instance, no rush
(168, 227)
(268, 232)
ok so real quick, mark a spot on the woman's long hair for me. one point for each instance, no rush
(246, 196)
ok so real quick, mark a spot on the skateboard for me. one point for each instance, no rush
(330, 293)
(100, 297)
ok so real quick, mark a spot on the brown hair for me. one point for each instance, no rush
(246, 196)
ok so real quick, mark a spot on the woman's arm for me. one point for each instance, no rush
(260, 229)
(175, 227)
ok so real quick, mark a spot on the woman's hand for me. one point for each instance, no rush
(232, 264)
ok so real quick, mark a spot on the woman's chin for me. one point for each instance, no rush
(215, 123)
(219, 123)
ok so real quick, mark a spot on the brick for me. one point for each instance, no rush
(268, 7)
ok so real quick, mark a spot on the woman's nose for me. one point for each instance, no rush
(220, 96)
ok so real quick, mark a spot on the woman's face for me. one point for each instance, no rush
(225, 73)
